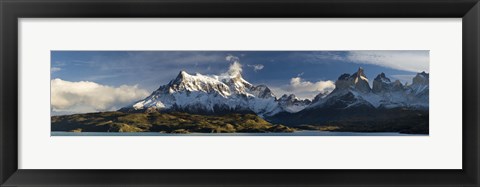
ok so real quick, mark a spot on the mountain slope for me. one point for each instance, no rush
(290, 103)
(353, 99)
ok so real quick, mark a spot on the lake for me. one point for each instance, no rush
(297, 133)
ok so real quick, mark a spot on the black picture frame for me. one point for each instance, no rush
(11, 10)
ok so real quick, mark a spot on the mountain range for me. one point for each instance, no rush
(352, 98)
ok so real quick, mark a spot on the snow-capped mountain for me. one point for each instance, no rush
(418, 91)
(210, 94)
(353, 98)
(350, 91)
(395, 94)
(292, 104)
(229, 92)
(354, 91)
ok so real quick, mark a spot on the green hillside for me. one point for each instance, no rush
(163, 122)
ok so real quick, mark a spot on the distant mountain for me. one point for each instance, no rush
(353, 98)
(290, 103)
(354, 91)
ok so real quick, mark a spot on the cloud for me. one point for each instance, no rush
(405, 60)
(85, 96)
(235, 68)
(256, 67)
(413, 61)
(317, 57)
(102, 77)
(305, 89)
(298, 84)
(55, 69)
(232, 58)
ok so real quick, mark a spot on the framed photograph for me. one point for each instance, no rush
(230, 93)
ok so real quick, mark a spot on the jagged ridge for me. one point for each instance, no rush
(210, 94)
(228, 93)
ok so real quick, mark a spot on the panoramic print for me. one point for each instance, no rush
(240, 93)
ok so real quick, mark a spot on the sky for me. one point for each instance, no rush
(89, 81)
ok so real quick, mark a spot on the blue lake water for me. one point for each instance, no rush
(297, 133)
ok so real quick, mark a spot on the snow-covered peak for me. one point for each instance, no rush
(198, 82)
(210, 94)
(230, 92)
(382, 84)
(262, 91)
(286, 97)
(291, 103)
(382, 78)
(419, 89)
(353, 90)
(236, 83)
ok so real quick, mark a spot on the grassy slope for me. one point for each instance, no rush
(163, 122)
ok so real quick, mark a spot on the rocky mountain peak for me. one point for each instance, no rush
(262, 91)
(231, 93)
(361, 81)
(290, 97)
(421, 79)
(210, 94)
(382, 84)
(359, 73)
(291, 103)
(320, 96)
(180, 77)
(381, 77)
(357, 81)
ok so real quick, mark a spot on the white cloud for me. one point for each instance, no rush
(55, 69)
(232, 58)
(305, 89)
(85, 96)
(413, 61)
(256, 67)
(235, 68)
(299, 84)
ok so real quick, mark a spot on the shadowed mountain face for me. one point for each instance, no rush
(290, 103)
(352, 101)
(354, 91)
